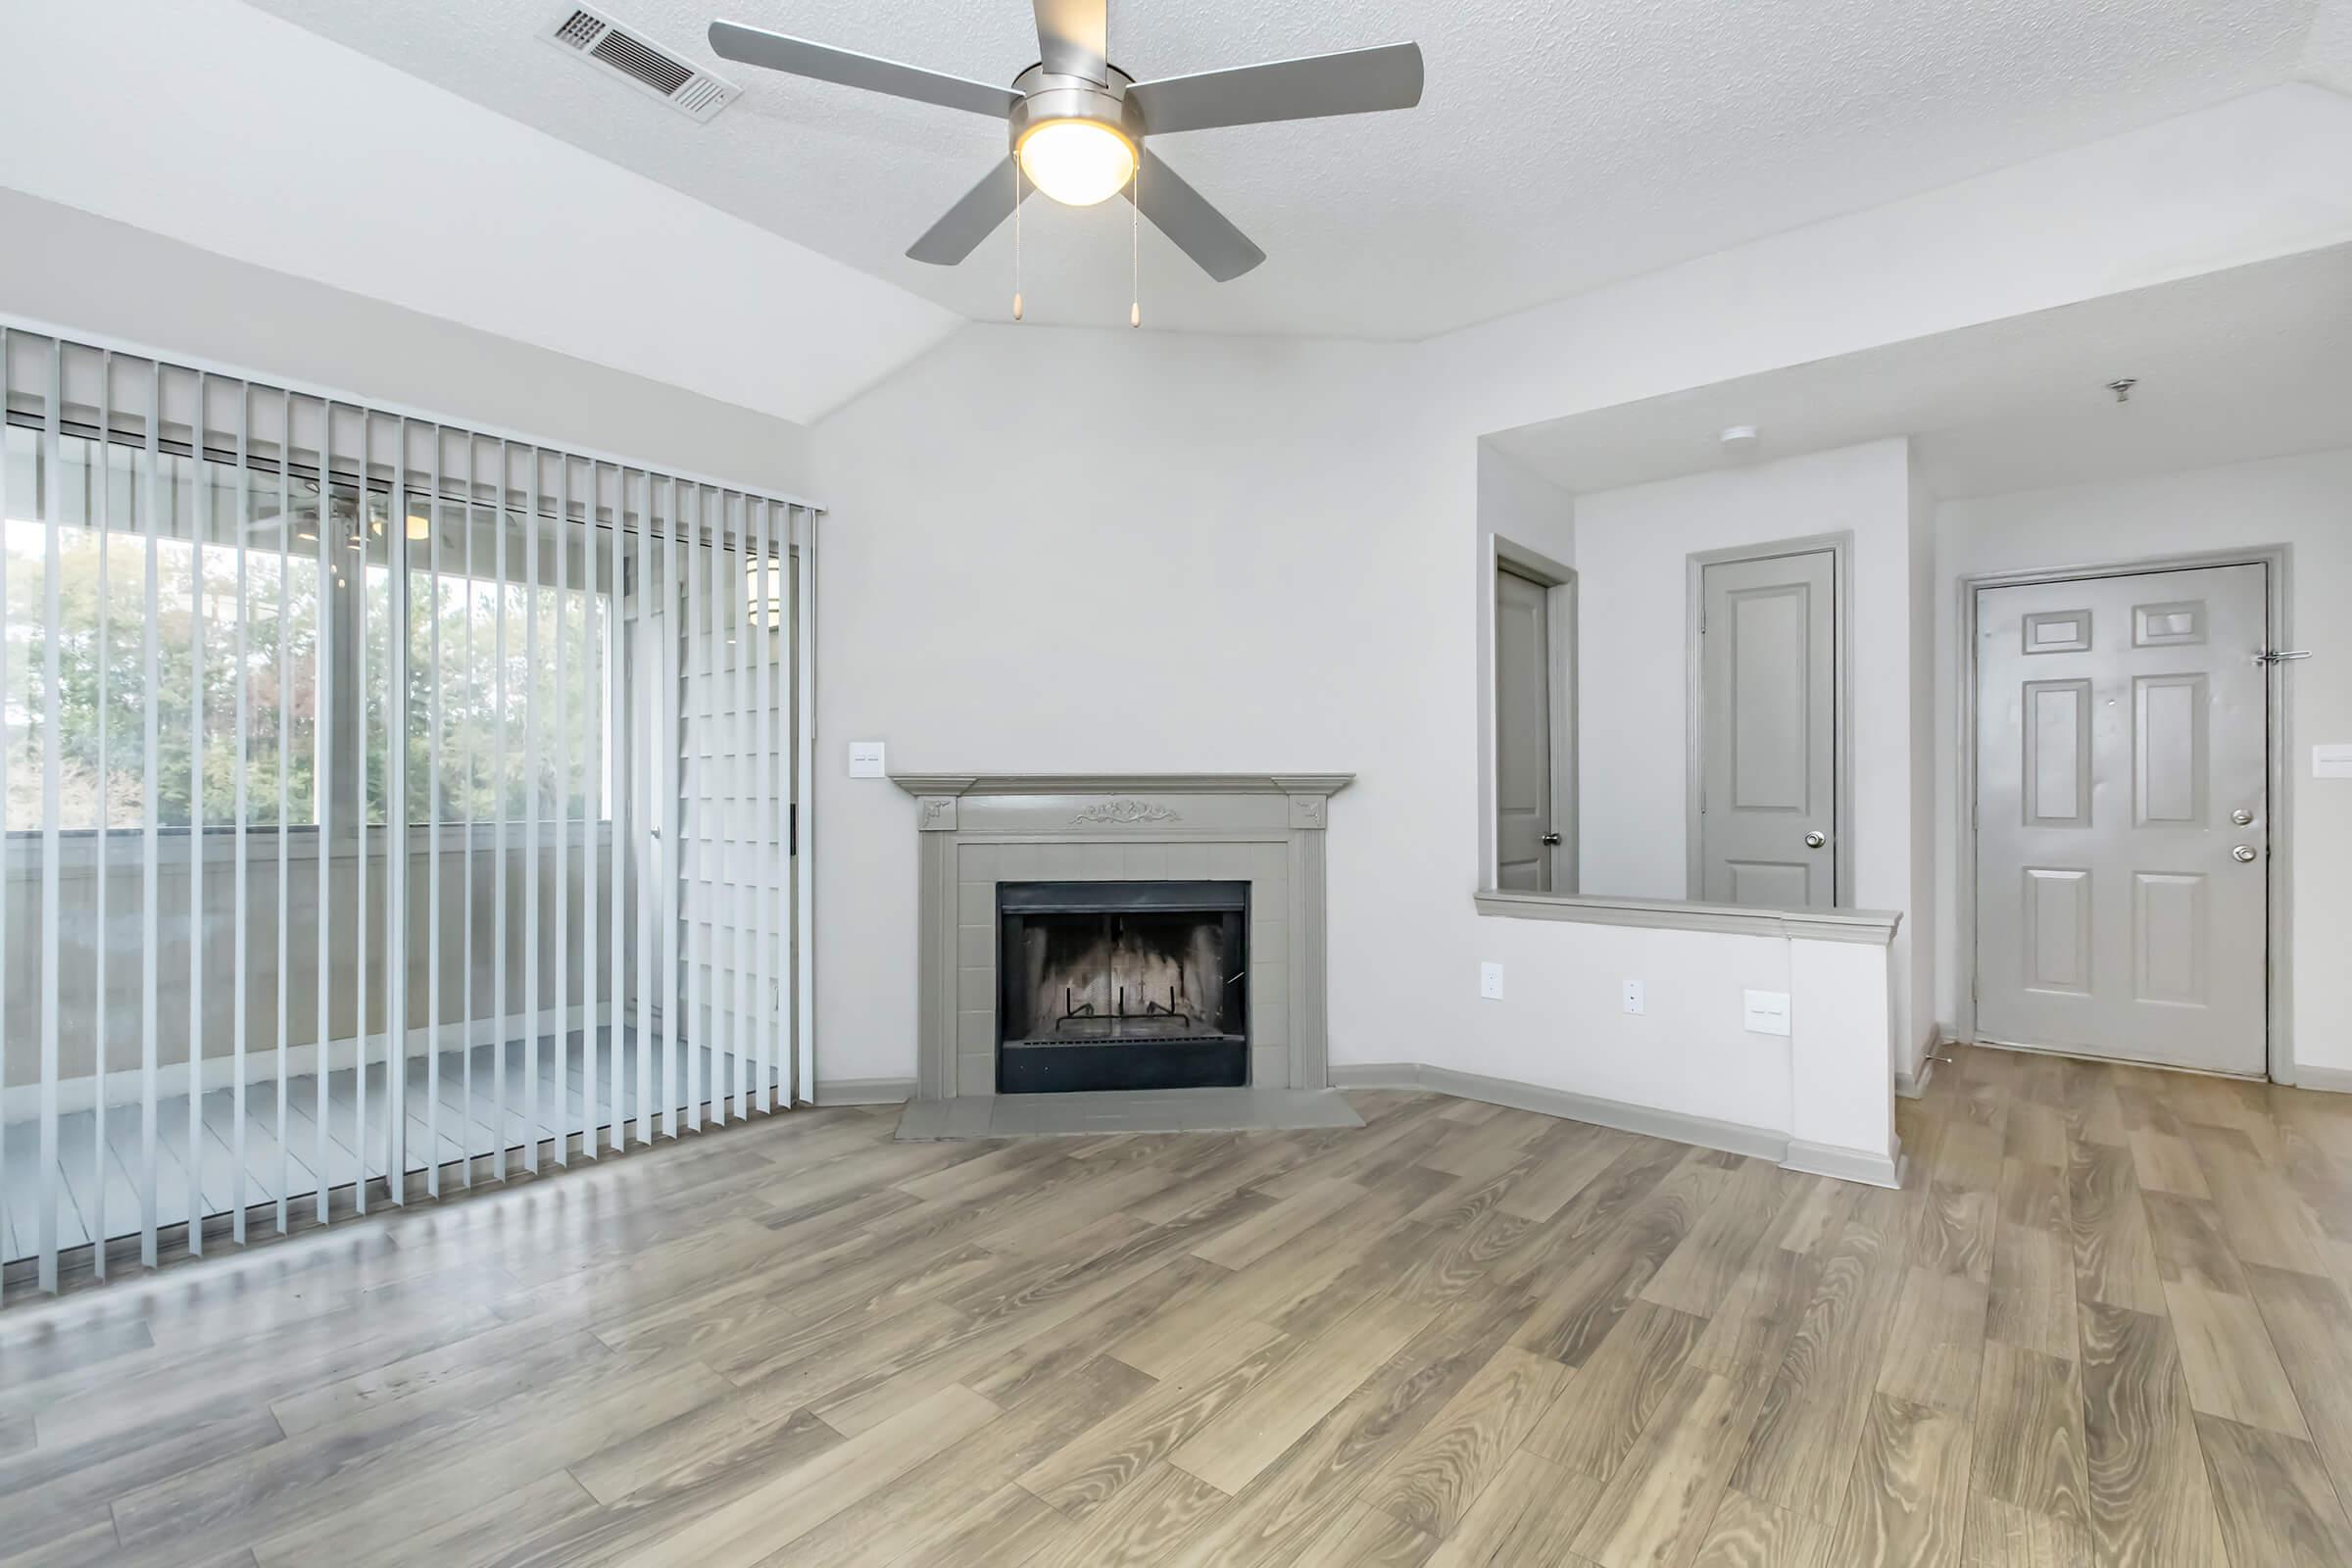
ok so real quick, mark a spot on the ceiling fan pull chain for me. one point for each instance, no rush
(1135, 245)
(1016, 239)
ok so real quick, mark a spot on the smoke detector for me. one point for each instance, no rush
(1738, 439)
(599, 41)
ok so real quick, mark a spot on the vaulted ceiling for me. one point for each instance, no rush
(1558, 147)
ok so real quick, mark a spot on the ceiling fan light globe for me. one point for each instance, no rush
(1076, 161)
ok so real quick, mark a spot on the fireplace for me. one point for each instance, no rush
(1122, 985)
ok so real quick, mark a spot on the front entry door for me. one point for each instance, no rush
(2123, 824)
(1768, 732)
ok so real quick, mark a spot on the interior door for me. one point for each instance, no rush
(2123, 821)
(1524, 832)
(1768, 732)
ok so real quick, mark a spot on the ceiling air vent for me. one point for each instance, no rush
(595, 39)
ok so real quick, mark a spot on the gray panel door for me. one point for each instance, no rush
(2122, 819)
(1522, 827)
(1768, 732)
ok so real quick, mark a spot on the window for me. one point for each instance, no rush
(457, 681)
(441, 779)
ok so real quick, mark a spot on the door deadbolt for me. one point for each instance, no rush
(2241, 816)
(2244, 851)
(1551, 837)
(1816, 839)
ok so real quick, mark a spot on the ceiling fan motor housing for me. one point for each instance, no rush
(1048, 97)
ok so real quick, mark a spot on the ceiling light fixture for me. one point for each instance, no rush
(1119, 118)
(1078, 162)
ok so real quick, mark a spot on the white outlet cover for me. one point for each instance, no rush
(1764, 1012)
(2331, 761)
(1633, 996)
(866, 760)
(1490, 981)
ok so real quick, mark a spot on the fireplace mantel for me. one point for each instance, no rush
(979, 829)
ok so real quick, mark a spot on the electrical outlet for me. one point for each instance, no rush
(1633, 996)
(1764, 1012)
(1490, 981)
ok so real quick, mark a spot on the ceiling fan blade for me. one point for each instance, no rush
(1353, 83)
(974, 217)
(754, 46)
(1073, 38)
(1198, 229)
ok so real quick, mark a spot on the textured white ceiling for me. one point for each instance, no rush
(2232, 366)
(1558, 146)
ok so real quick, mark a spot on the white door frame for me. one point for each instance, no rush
(2278, 946)
(1841, 547)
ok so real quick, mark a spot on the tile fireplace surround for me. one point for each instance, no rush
(978, 830)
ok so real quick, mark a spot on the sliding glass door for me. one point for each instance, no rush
(386, 805)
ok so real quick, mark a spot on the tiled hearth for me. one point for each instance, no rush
(978, 831)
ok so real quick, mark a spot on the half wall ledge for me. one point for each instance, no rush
(1875, 927)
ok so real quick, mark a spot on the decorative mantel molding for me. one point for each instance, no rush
(978, 829)
(1125, 809)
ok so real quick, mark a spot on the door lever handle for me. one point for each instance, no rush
(2273, 656)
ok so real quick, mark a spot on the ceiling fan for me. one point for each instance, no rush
(1077, 123)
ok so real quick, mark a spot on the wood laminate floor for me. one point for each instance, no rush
(2106, 1323)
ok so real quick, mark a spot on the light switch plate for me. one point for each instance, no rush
(1764, 1012)
(866, 760)
(1490, 981)
(2331, 761)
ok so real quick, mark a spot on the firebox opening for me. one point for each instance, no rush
(1122, 985)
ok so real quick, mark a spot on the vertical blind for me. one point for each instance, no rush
(384, 803)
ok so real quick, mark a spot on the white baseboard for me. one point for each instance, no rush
(2327, 1080)
(1845, 1164)
(1762, 1143)
(125, 1086)
(863, 1090)
(1913, 1085)
(1648, 1121)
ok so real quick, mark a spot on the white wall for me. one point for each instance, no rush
(2258, 176)
(1244, 560)
(2304, 502)
(94, 274)
(1632, 548)
(1054, 550)
(219, 124)
(1521, 504)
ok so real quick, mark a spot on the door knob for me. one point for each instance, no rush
(2244, 851)
(1551, 837)
(1816, 839)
